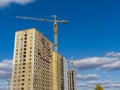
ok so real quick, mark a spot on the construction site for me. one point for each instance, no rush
(37, 64)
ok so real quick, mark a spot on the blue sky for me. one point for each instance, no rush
(93, 29)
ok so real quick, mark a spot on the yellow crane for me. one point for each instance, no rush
(55, 21)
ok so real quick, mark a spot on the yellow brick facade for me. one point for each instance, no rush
(58, 74)
(32, 66)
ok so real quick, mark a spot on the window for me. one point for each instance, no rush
(28, 79)
(25, 35)
(24, 60)
(20, 68)
(14, 76)
(22, 88)
(24, 55)
(14, 72)
(14, 80)
(29, 75)
(30, 59)
(25, 41)
(29, 71)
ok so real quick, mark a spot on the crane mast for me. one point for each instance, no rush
(55, 26)
(55, 35)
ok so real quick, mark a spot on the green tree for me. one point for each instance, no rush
(99, 87)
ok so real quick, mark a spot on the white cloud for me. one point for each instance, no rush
(87, 77)
(112, 54)
(118, 82)
(111, 61)
(94, 62)
(4, 3)
(99, 82)
(92, 84)
(5, 69)
(2, 88)
(82, 85)
(116, 85)
(105, 84)
(112, 66)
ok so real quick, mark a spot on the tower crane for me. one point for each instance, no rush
(72, 65)
(55, 21)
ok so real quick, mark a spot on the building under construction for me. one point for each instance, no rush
(72, 78)
(35, 65)
(60, 69)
